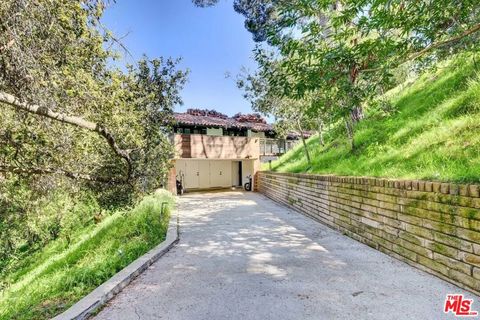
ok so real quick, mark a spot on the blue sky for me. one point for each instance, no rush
(211, 41)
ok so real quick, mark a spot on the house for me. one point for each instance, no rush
(213, 150)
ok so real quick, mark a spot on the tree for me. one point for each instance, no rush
(259, 15)
(353, 45)
(62, 78)
(155, 91)
(422, 27)
(291, 115)
(77, 134)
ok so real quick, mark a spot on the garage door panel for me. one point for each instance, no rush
(215, 174)
(203, 174)
(220, 174)
(191, 175)
(227, 174)
(180, 167)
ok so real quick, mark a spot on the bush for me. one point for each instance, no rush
(30, 219)
(58, 275)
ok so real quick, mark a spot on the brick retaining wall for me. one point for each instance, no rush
(430, 225)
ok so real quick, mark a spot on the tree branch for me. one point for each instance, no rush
(432, 46)
(69, 174)
(435, 45)
(72, 120)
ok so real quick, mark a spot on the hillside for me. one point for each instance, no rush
(432, 133)
(58, 275)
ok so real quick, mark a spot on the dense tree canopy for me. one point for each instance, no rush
(260, 15)
(74, 128)
(54, 66)
(333, 57)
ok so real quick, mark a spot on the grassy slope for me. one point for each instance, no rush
(433, 134)
(58, 276)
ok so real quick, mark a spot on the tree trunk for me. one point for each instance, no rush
(305, 146)
(72, 120)
(356, 114)
(320, 133)
(350, 133)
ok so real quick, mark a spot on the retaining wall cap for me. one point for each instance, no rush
(470, 190)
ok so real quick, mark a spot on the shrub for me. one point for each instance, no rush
(58, 275)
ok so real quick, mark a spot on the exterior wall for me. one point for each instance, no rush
(172, 180)
(213, 147)
(430, 225)
(257, 134)
(214, 131)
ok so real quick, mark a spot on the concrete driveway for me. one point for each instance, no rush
(242, 256)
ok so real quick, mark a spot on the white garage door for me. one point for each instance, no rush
(203, 174)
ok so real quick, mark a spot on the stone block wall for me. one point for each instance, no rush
(430, 225)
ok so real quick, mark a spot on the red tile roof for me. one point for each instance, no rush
(211, 118)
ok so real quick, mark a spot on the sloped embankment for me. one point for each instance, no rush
(58, 276)
(432, 132)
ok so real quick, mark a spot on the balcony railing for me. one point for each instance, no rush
(275, 147)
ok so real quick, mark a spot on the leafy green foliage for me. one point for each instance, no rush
(57, 276)
(259, 14)
(64, 67)
(430, 132)
(30, 221)
(335, 56)
(57, 55)
(155, 90)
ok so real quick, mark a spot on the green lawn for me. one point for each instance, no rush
(433, 133)
(56, 277)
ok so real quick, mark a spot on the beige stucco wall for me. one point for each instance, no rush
(216, 147)
(203, 149)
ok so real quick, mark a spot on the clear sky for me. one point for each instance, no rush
(211, 41)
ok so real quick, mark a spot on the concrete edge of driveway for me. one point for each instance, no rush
(96, 299)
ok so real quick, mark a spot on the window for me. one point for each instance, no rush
(235, 133)
(191, 130)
